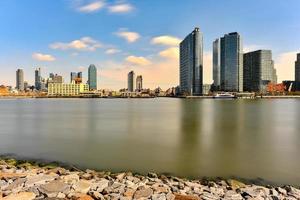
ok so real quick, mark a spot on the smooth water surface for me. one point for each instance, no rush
(186, 137)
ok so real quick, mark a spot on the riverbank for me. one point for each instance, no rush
(22, 180)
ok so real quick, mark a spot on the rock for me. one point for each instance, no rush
(152, 175)
(82, 186)
(61, 195)
(232, 195)
(159, 197)
(99, 186)
(39, 179)
(143, 192)
(85, 197)
(209, 196)
(186, 197)
(235, 184)
(8, 175)
(170, 196)
(71, 178)
(281, 190)
(120, 176)
(129, 193)
(20, 196)
(53, 188)
(17, 183)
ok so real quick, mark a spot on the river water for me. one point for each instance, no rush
(185, 137)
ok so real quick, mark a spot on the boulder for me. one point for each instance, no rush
(53, 188)
(20, 196)
(143, 192)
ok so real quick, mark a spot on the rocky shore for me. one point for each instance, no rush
(28, 181)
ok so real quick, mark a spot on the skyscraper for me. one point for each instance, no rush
(73, 76)
(297, 68)
(131, 81)
(139, 83)
(20, 79)
(92, 77)
(258, 70)
(231, 63)
(217, 63)
(191, 64)
(38, 79)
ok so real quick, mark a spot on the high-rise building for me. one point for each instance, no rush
(232, 63)
(92, 77)
(258, 70)
(131, 81)
(139, 83)
(73, 76)
(55, 78)
(217, 64)
(191, 64)
(20, 79)
(38, 79)
(297, 68)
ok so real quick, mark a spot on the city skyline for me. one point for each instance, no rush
(117, 40)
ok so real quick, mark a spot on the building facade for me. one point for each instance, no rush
(259, 70)
(73, 76)
(191, 64)
(92, 77)
(38, 79)
(297, 68)
(231, 63)
(217, 64)
(131, 81)
(67, 89)
(139, 83)
(20, 80)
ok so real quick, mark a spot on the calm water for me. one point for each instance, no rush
(195, 138)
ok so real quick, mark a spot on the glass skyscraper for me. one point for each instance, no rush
(92, 77)
(259, 70)
(297, 68)
(20, 79)
(38, 79)
(217, 64)
(139, 83)
(231, 63)
(191, 64)
(131, 81)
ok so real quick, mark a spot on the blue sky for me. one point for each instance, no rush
(67, 35)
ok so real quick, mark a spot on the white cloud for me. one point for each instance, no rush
(92, 7)
(166, 40)
(138, 60)
(83, 44)
(112, 51)
(127, 35)
(285, 66)
(120, 8)
(172, 53)
(43, 57)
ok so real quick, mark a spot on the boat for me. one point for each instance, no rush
(225, 95)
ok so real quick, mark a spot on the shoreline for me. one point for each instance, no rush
(28, 180)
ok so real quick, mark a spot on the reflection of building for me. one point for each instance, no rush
(131, 81)
(206, 89)
(92, 77)
(67, 89)
(231, 63)
(191, 64)
(20, 80)
(139, 83)
(258, 70)
(217, 64)
(38, 79)
(297, 68)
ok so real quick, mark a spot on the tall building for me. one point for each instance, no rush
(139, 83)
(259, 70)
(217, 64)
(232, 63)
(20, 79)
(297, 68)
(191, 64)
(38, 79)
(55, 78)
(73, 76)
(92, 77)
(131, 81)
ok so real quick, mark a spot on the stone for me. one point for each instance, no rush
(129, 193)
(18, 182)
(235, 184)
(99, 186)
(61, 195)
(71, 178)
(158, 197)
(53, 188)
(232, 195)
(209, 196)
(8, 175)
(186, 197)
(85, 197)
(170, 196)
(143, 193)
(82, 186)
(20, 196)
(120, 176)
(39, 179)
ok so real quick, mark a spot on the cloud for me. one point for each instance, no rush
(112, 51)
(285, 66)
(166, 40)
(81, 68)
(138, 60)
(83, 44)
(127, 35)
(92, 7)
(120, 8)
(43, 57)
(172, 53)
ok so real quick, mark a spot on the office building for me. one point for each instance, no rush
(231, 63)
(92, 77)
(139, 83)
(67, 89)
(73, 76)
(131, 81)
(20, 80)
(297, 68)
(38, 79)
(191, 64)
(258, 70)
(217, 64)
(55, 78)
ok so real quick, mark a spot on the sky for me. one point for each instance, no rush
(142, 35)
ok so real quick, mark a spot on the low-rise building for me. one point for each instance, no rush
(67, 89)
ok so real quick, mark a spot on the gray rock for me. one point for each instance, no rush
(143, 193)
(39, 179)
(53, 188)
(82, 186)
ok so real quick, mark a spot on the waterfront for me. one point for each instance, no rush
(186, 137)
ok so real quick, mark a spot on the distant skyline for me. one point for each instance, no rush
(123, 35)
